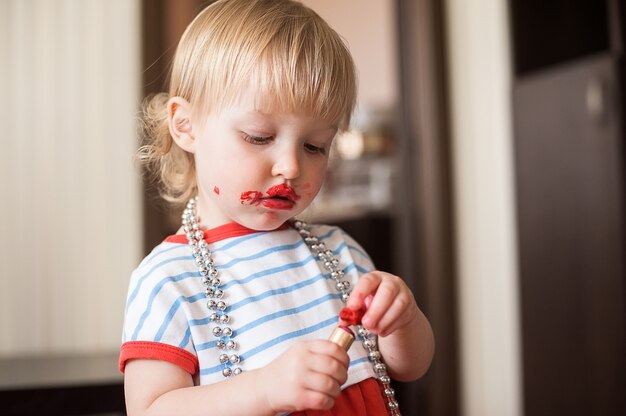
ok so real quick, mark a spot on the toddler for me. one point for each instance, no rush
(231, 316)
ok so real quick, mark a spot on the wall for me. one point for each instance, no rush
(70, 213)
(371, 36)
(480, 96)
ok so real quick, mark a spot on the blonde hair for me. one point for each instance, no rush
(289, 54)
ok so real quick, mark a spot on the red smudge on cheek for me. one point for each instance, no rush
(216, 190)
(251, 197)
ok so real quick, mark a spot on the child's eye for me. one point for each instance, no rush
(311, 148)
(257, 139)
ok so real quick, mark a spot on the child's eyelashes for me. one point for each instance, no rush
(263, 140)
(257, 139)
(311, 148)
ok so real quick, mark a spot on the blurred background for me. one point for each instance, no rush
(485, 166)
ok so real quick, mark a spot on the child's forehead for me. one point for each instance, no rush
(256, 101)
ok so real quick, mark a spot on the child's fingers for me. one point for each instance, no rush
(386, 293)
(323, 384)
(329, 349)
(396, 315)
(365, 286)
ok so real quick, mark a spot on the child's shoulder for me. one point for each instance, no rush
(166, 258)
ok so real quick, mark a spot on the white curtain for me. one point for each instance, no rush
(70, 212)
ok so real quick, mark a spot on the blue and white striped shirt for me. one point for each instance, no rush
(276, 291)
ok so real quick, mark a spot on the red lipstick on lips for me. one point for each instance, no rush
(281, 197)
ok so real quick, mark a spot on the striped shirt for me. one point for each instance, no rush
(276, 291)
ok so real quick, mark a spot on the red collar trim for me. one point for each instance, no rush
(222, 232)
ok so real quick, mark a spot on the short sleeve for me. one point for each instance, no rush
(157, 315)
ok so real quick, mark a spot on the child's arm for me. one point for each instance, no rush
(308, 375)
(406, 339)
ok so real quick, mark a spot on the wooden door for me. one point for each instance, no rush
(570, 189)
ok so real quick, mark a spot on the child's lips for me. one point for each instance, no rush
(283, 190)
(282, 197)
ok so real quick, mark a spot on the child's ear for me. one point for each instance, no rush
(180, 125)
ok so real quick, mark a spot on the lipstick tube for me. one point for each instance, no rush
(342, 336)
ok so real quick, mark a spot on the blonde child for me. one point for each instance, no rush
(231, 315)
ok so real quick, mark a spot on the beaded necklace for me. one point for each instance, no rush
(229, 358)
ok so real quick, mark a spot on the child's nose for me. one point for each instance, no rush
(287, 165)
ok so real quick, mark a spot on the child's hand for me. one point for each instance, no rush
(389, 302)
(309, 375)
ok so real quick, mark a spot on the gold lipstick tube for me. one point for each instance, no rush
(342, 336)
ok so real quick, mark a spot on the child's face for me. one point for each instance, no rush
(258, 168)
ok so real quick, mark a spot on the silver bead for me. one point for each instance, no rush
(227, 331)
(337, 274)
(224, 319)
(208, 291)
(344, 297)
(205, 280)
(385, 379)
(204, 271)
(234, 359)
(393, 405)
(213, 317)
(369, 343)
(231, 345)
(221, 305)
(374, 355)
(380, 368)
(237, 371)
(223, 358)
(364, 332)
(221, 344)
(211, 304)
(216, 282)
(227, 372)
(217, 331)
(199, 235)
(219, 293)
(389, 392)
(213, 272)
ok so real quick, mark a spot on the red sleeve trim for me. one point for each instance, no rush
(158, 351)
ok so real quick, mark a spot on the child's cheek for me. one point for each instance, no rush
(307, 189)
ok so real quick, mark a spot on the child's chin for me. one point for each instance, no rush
(266, 221)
